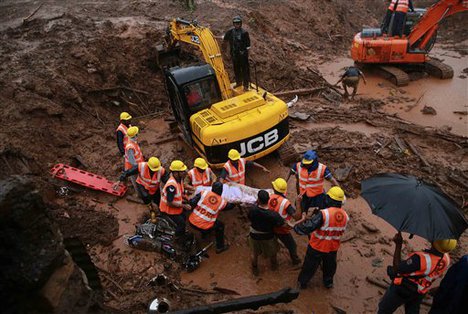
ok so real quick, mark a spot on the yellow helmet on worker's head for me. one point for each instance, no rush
(132, 131)
(336, 193)
(445, 246)
(125, 116)
(177, 165)
(234, 154)
(200, 163)
(280, 185)
(154, 164)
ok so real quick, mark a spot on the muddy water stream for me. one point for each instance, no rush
(445, 96)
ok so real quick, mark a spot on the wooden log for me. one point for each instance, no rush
(415, 150)
(26, 19)
(299, 92)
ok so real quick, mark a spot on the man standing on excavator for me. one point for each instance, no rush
(239, 41)
(397, 12)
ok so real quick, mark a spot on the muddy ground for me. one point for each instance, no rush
(55, 65)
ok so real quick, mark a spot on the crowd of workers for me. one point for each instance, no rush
(321, 216)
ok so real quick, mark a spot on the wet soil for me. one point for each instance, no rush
(54, 71)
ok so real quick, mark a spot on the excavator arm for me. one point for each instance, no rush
(201, 37)
(429, 23)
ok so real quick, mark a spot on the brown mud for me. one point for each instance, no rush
(58, 73)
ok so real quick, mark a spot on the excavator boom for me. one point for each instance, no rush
(203, 38)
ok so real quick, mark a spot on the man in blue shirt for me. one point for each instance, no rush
(351, 78)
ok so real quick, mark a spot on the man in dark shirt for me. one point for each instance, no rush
(239, 42)
(262, 238)
(351, 78)
(121, 131)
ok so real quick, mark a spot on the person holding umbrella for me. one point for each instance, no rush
(412, 278)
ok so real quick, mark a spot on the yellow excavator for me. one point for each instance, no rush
(212, 114)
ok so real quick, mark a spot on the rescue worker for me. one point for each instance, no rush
(200, 174)
(388, 17)
(239, 42)
(399, 16)
(121, 131)
(262, 239)
(310, 174)
(234, 169)
(150, 176)
(133, 154)
(280, 204)
(351, 78)
(173, 202)
(412, 278)
(326, 230)
(204, 217)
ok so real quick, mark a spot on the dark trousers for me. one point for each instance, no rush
(399, 24)
(241, 69)
(386, 21)
(288, 241)
(395, 296)
(146, 197)
(218, 229)
(314, 201)
(179, 221)
(311, 263)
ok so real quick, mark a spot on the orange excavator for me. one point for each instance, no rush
(394, 55)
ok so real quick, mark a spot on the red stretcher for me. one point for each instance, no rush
(87, 179)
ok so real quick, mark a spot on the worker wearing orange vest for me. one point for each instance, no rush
(133, 153)
(204, 217)
(150, 177)
(310, 175)
(326, 230)
(413, 277)
(234, 169)
(395, 18)
(280, 204)
(121, 131)
(201, 174)
(173, 202)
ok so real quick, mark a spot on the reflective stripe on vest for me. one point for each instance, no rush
(280, 204)
(205, 213)
(200, 179)
(131, 145)
(151, 183)
(179, 191)
(235, 175)
(391, 7)
(123, 128)
(402, 6)
(327, 238)
(431, 268)
(311, 184)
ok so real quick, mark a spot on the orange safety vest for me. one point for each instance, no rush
(327, 238)
(151, 183)
(208, 207)
(402, 6)
(123, 128)
(235, 175)
(311, 184)
(131, 145)
(391, 7)
(204, 178)
(178, 197)
(431, 268)
(279, 204)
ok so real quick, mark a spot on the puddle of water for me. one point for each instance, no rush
(445, 96)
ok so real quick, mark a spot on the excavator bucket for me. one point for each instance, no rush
(167, 58)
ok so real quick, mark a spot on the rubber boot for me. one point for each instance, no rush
(153, 216)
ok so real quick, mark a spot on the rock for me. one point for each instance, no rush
(377, 262)
(429, 110)
(370, 227)
(299, 116)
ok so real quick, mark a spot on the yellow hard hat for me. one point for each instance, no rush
(336, 193)
(177, 165)
(125, 116)
(280, 185)
(154, 164)
(445, 246)
(200, 163)
(234, 154)
(132, 131)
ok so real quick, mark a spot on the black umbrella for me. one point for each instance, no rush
(414, 206)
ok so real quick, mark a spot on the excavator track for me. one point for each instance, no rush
(396, 75)
(438, 69)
